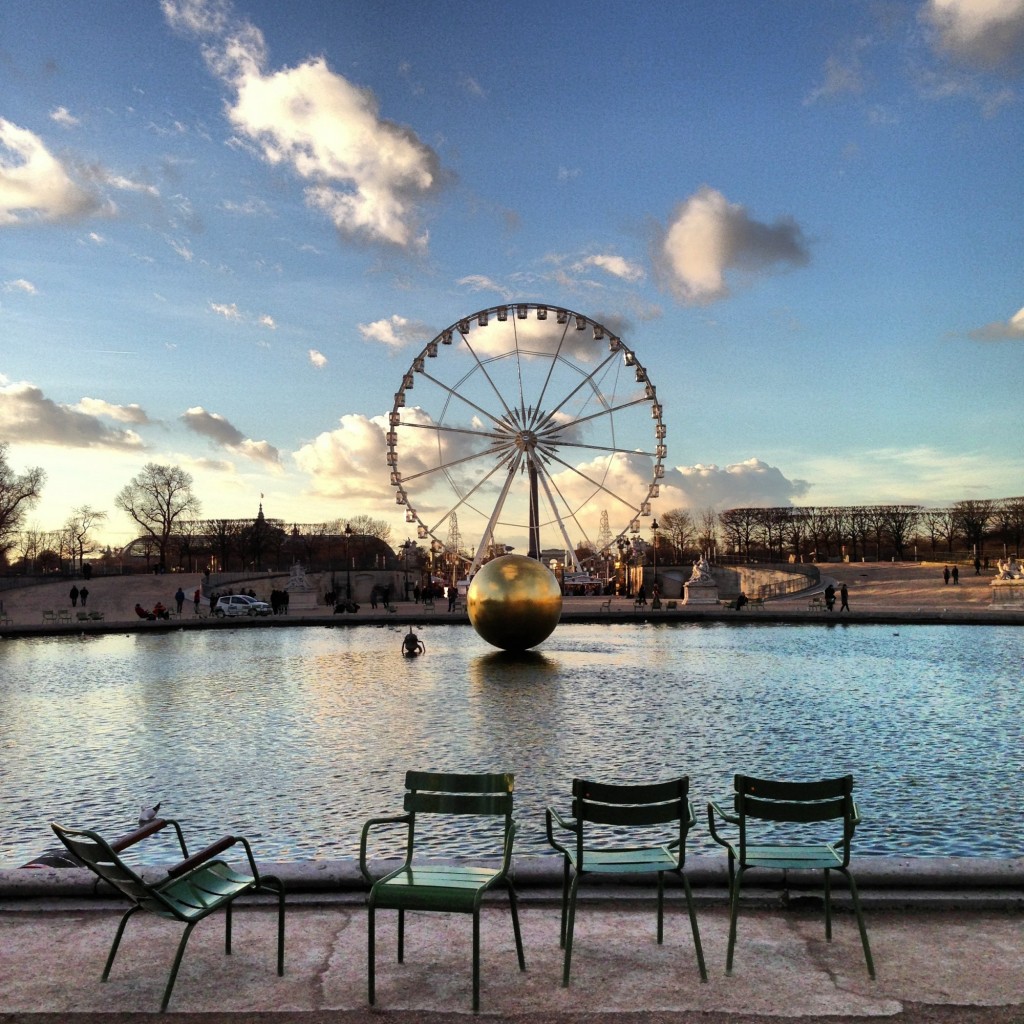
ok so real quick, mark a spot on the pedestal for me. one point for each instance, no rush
(700, 593)
(1008, 594)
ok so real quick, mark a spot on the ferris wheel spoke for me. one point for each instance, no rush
(481, 365)
(464, 498)
(596, 483)
(601, 413)
(453, 393)
(588, 379)
(547, 484)
(610, 449)
(443, 467)
(488, 534)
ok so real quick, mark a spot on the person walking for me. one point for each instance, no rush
(83, 594)
(844, 598)
(196, 598)
(945, 575)
(956, 574)
(830, 597)
(179, 599)
(74, 596)
(977, 566)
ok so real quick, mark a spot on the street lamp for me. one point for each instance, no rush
(348, 562)
(407, 548)
(623, 545)
(654, 533)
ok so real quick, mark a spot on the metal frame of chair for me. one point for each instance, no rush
(194, 888)
(790, 803)
(442, 887)
(624, 807)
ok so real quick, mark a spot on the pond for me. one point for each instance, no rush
(294, 737)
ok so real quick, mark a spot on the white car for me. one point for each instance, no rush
(240, 604)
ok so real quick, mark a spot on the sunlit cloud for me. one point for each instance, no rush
(617, 266)
(35, 185)
(1009, 330)
(751, 483)
(27, 415)
(133, 413)
(395, 332)
(709, 237)
(223, 433)
(346, 462)
(984, 33)
(367, 174)
(318, 359)
(228, 310)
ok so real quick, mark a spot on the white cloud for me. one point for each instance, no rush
(367, 174)
(395, 332)
(318, 359)
(223, 433)
(21, 285)
(35, 185)
(122, 413)
(1010, 330)
(27, 415)
(64, 117)
(708, 236)
(752, 483)
(266, 320)
(984, 33)
(347, 462)
(227, 310)
(617, 266)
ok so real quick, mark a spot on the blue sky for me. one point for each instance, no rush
(226, 230)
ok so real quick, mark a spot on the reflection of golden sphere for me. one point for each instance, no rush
(514, 602)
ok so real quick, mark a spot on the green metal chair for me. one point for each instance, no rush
(601, 813)
(764, 803)
(193, 889)
(445, 887)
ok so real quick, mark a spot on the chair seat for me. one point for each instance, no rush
(813, 857)
(198, 893)
(641, 860)
(434, 887)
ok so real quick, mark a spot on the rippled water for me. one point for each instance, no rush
(295, 736)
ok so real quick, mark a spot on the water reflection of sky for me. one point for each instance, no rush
(293, 737)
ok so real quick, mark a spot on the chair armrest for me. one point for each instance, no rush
(510, 838)
(569, 824)
(396, 819)
(190, 863)
(715, 808)
(147, 830)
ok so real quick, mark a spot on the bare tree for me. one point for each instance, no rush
(899, 523)
(78, 526)
(157, 499)
(939, 523)
(678, 533)
(973, 518)
(707, 529)
(18, 493)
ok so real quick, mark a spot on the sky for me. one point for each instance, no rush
(228, 228)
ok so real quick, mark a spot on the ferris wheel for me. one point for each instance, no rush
(522, 422)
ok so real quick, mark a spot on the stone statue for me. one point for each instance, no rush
(701, 572)
(297, 582)
(1009, 569)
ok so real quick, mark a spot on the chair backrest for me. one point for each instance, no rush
(484, 794)
(99, 857)
(632, 806)
(801, 803)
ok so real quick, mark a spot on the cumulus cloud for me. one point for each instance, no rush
(227, 310)
(395, 332)
(751, 483)
(133, 413)
(318, 359)
(26, 414)
(224, 434)
(984, 33)
(708, 237)
(367, 174)
(1009, 330)
(346, 462)
(34, 185)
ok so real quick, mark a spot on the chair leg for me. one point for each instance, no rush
(693, 927)
(476, 958)
(227, 930)
(569, 928)
(273, 884)
(371, 927)
(117, 942)
(734, 901)
(860, 924)
(661, 907)
(513, 900)
(401, 936)
(565, 900)
(177, 964)
(828, 906)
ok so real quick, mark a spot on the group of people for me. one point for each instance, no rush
(844, 597)
(950, 574)
(158, 611)
(77, 595)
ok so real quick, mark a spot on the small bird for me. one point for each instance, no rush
(147, 814)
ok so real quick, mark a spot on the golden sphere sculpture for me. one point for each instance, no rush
(514, 602)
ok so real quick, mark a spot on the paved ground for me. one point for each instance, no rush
(933, 967)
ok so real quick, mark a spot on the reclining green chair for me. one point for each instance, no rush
(793, 805)
(443, 887)
(193, 889)
(600, 814)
